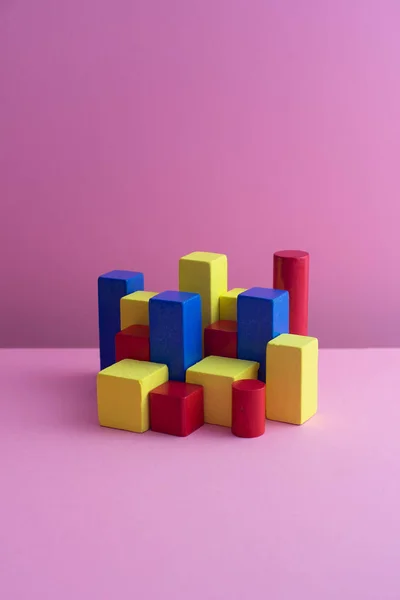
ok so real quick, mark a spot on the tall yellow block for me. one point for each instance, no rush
(205, 273)
(135, 309)
(292, 378)
(123, 393)
(228, 304)
(216, 374)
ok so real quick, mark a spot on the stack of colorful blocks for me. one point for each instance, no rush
(173, 361)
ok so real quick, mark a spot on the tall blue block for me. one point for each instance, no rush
(111, 288)
(262, 315)
(176, 331)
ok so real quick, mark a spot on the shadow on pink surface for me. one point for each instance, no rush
(73, 400)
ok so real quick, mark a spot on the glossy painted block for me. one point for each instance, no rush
(176, 331)
(217, 374)
(228, 304)
(177, 408)
(133, 342)
(123, 394)
(205, 273)
(263, 314)
(112, 287)
(220, 339)
(292, 382)
(291, 273)
(135, 309)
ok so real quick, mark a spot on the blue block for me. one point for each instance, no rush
(176, 331)
(262, 315)
(111, 288)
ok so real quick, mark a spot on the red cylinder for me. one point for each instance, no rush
(291, 273)
(248, 408)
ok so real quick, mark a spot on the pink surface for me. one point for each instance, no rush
(256, 124)
(302, 512)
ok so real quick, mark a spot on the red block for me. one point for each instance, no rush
(176, 408)
(291, 273)
(220, 339)
(248, 408)
(133, 342)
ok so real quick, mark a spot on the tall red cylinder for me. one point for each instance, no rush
(248, 408)
(291, 273)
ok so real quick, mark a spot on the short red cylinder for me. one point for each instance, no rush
(248, 408)
(291, 273)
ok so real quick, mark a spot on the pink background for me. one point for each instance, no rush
(300, 513)
(133, 132)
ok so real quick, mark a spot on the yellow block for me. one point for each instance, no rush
(292, 378)
(135, 309)
(123, 393)
(205, 273)
(228, 304)
(216, 374)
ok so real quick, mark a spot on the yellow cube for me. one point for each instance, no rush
(228, 304)
(292, 378)
(205, 273)
(216, 374)
(123, 393)
(135, 309)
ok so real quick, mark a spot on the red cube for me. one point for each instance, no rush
(176, 408)
(133, 342)
(220, 339)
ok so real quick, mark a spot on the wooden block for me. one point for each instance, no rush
(133, 342)
(263, 314)
(123, 393)
(205, 273)
(135, 309)
(220, 339)
(111, 288)
(292, 378)
(291, 273)
(248, 408)
(177, 408)
(175, 331)
(216, 374)
(228, 304)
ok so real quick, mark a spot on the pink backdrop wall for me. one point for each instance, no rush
(133, 132)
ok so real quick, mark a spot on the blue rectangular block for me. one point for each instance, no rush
(176, 331)
(111, 288)
(262, 315)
